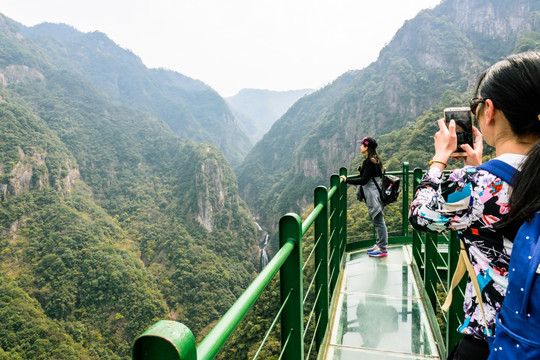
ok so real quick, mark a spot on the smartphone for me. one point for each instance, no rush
(463, 119)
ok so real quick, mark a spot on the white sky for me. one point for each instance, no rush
(236, 44)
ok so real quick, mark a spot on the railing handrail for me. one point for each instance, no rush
(217, 337)
(162, 337)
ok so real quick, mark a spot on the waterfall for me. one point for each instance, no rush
(264, 258)
(262, 244)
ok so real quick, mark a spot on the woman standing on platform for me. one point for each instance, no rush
(370, 172)
(472, 200)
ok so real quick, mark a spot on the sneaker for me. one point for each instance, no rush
(378, 253)
(373, 248)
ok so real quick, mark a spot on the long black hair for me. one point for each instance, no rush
(373, 156)
(525, 197)
(513, 84)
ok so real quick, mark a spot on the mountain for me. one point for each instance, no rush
(432, 62)
(108, 220)
(258, 109)
(192, 109)
(271, 158)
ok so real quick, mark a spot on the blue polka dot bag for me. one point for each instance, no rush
(517, 326)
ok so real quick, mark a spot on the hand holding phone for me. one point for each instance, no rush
(474, 154)
(462, 117)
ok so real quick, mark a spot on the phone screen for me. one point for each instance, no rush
(463, 118)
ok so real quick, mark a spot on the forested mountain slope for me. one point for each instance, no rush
(108, 220)
(271, 159)
(441, 50)
(192, 109)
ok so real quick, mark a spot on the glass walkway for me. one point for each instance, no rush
(379, 312)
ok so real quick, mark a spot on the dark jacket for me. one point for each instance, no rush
(367, 188)
(368, 171)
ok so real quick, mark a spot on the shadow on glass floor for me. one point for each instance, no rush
(380, 314)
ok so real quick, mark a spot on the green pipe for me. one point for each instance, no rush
(215, 340)
(290, 282)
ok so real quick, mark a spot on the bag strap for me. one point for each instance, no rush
(456, 278)
(378, 187)
(501, 169)
(465, 264)
(380, 192)
(474, 279)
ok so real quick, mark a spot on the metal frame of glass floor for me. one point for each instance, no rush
(379, 313)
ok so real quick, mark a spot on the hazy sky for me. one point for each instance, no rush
(236, 44)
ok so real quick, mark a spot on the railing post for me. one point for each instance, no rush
(417, 178)
(342, 214)
(291, 290)
(455, 313)
(417, 240)
(334, 233)
(430, 268)
(417, 251)
(405, 206)
(321, 263)
(167, 340)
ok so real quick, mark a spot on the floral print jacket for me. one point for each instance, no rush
(471, 201)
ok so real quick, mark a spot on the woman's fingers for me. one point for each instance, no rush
(478, 143)
(442, 124)
(452, 127)
(445, 140)
(474, 156)
(468, 149)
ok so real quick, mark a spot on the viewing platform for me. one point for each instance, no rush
(335, 301)
(379, 312)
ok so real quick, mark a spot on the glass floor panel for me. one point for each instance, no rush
(379, 312)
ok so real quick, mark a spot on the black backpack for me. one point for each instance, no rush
(390, 188)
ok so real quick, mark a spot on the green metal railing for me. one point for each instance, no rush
(172, 340)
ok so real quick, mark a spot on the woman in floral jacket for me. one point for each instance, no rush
(472, 200)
